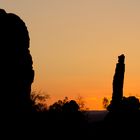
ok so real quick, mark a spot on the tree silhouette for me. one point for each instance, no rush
(70, 107)
(105, 102)
(39, 101)
(82, 104)
(130, 104)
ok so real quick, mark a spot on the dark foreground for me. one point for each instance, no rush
(70, 126)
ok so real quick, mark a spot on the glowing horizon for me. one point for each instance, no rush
(75, 45)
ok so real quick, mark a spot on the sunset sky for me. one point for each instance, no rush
(75, 45)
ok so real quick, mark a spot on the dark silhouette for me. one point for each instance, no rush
(124, 113)
(118, 81)
(71, 107)
(69, 118)
(130, 104)
(16, 72)
(39, 101)
(105, 102)
(120, 103)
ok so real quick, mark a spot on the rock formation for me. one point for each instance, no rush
(118, 81)
(16, 72)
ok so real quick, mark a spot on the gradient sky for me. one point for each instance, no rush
(75, 44)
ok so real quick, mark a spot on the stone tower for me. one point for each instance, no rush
(118, 81)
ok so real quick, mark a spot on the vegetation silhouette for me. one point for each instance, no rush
(69, 113)
(105, 102)
(39, 101)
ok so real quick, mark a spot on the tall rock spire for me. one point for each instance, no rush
(118, 81)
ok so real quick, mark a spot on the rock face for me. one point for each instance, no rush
(118, 81)
(16, 71)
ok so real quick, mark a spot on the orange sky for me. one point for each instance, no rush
(75, 44)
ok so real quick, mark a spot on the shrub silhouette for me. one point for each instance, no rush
(16, 71)
(130, 104)
(39, 101)
(66, 105)
(105, 102)
(67, 117)
(70, 107)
